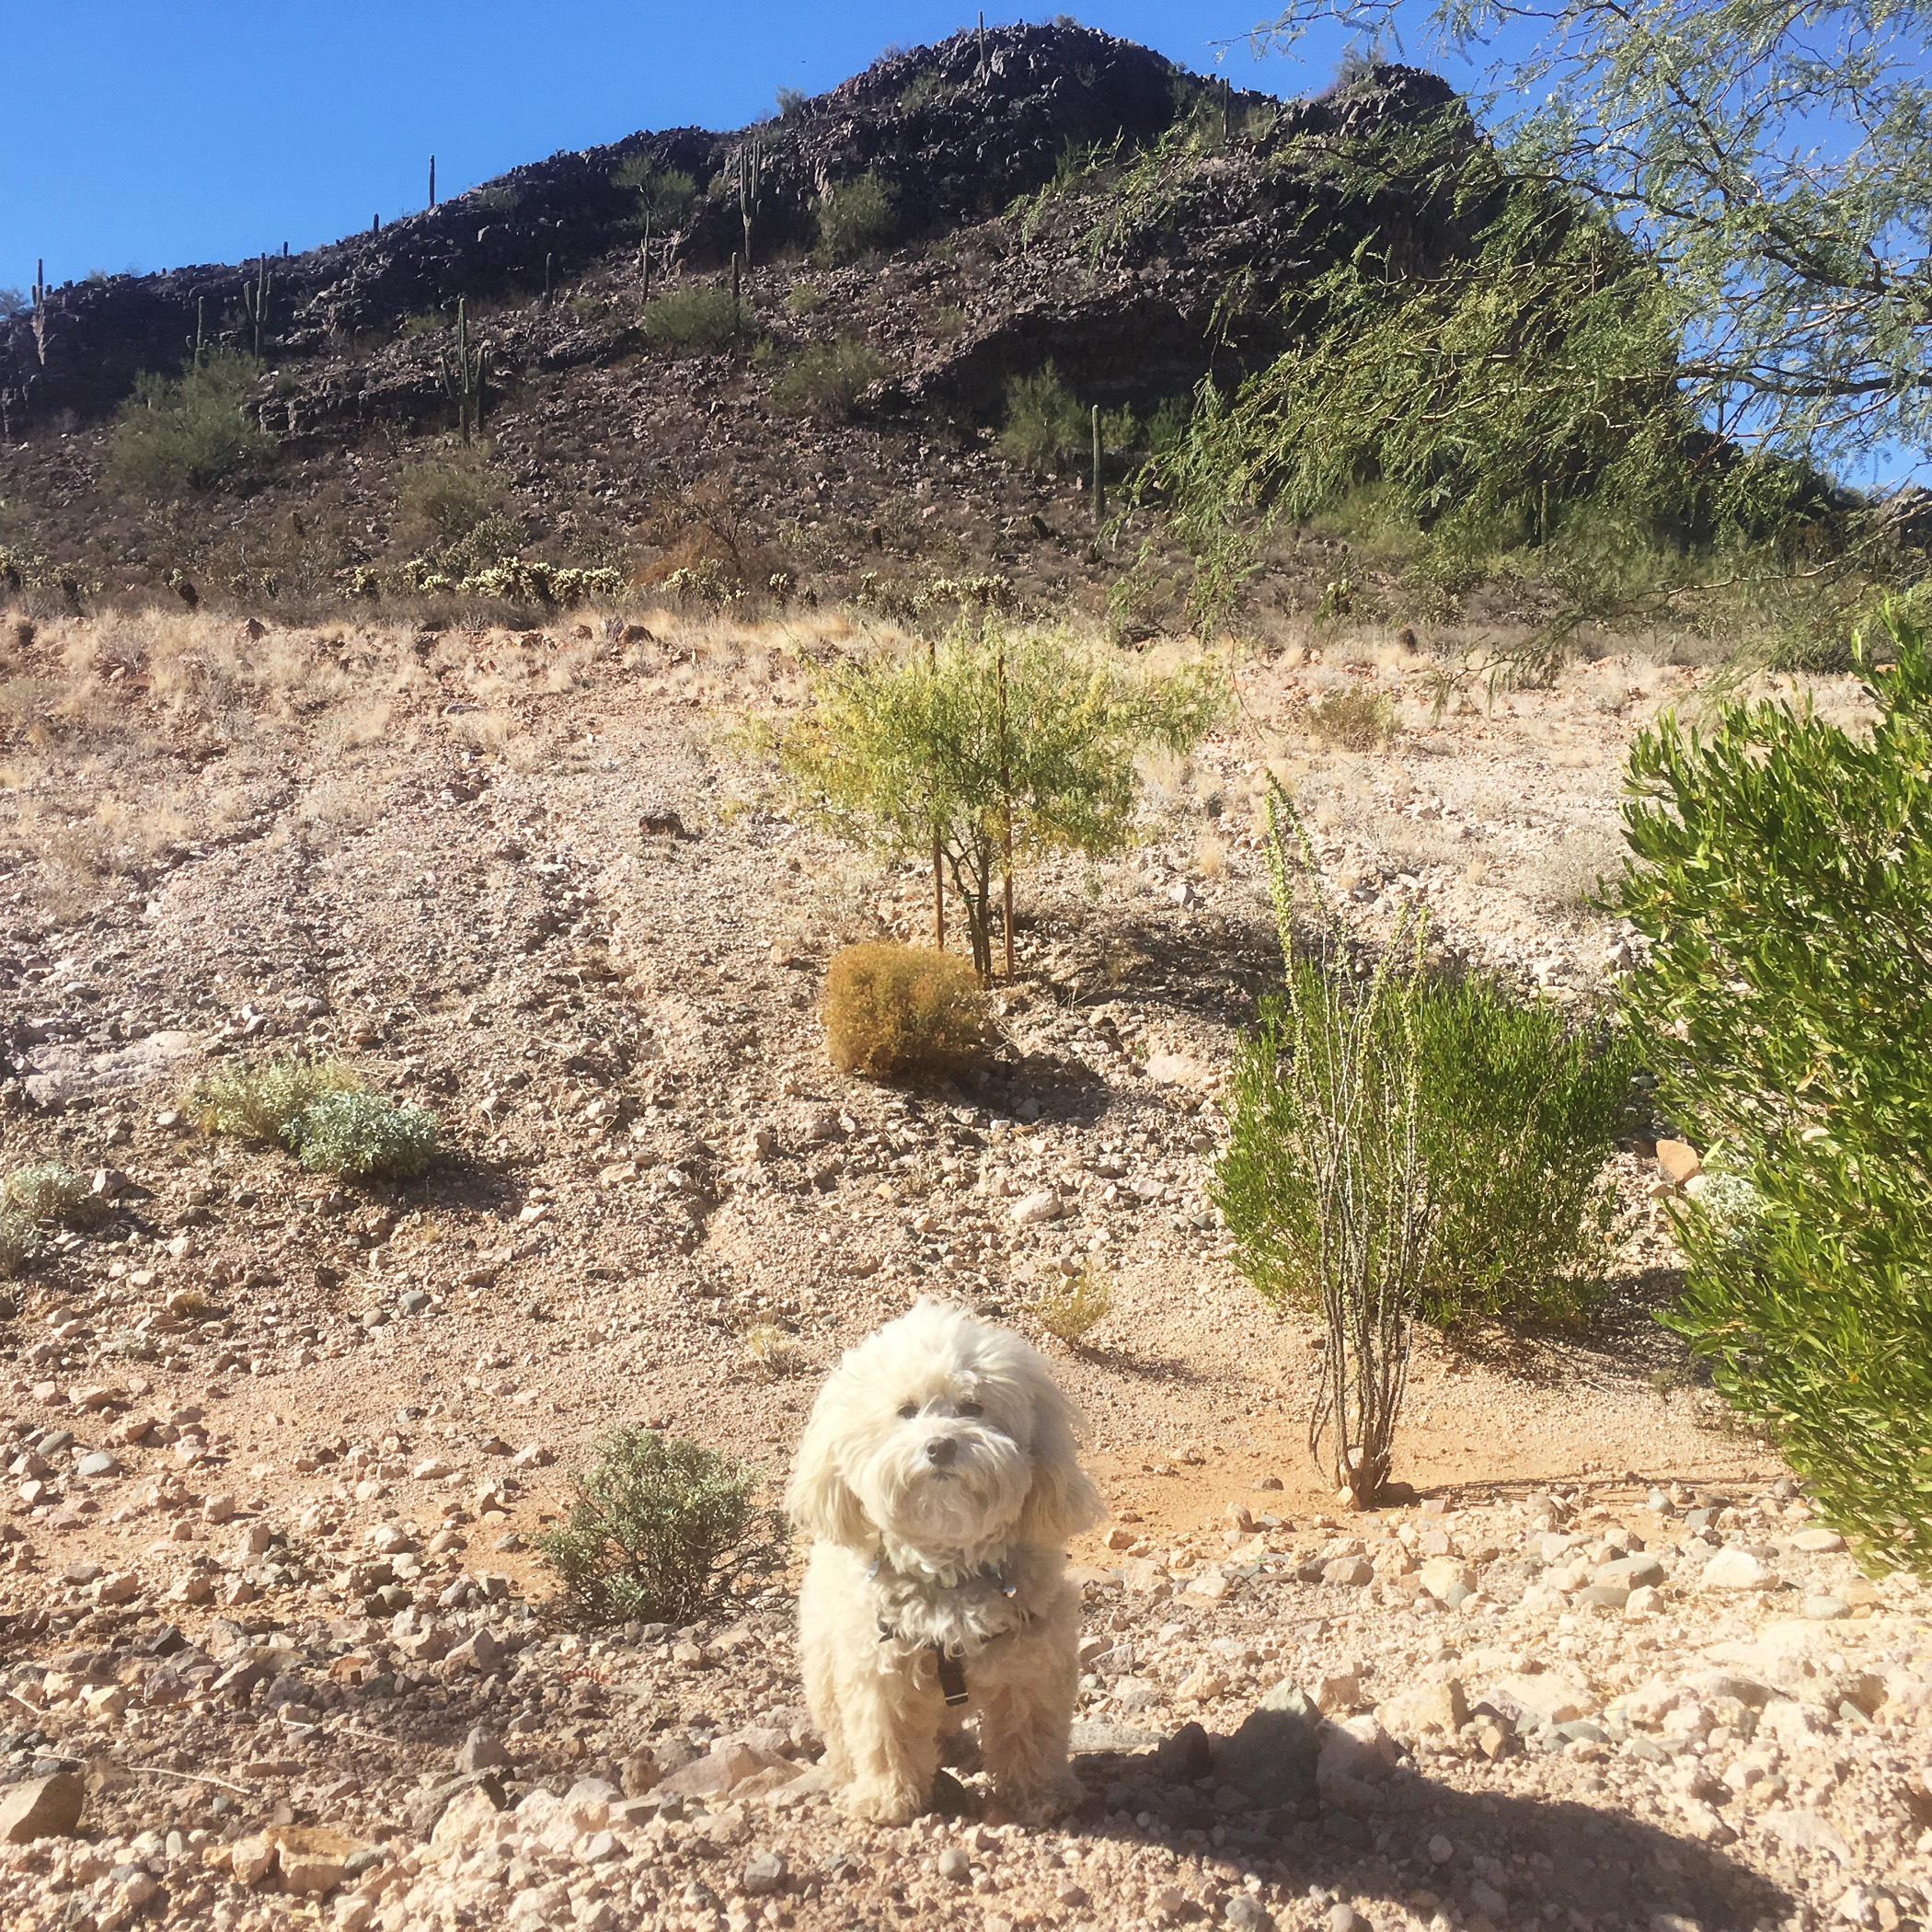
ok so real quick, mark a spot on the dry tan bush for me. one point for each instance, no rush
(892, 1010)
(1072, 1312)
(1210, 856)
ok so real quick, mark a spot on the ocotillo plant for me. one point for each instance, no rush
(751, 180)
(462, 375)
(254, 300)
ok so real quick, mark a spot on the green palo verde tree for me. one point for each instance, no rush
(984, 751)
(1633, 299)
(1782, 872)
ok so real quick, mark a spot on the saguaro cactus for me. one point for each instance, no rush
(432, 180)
(254, 300)
(462, 375)
(40, 310)
(751, 181)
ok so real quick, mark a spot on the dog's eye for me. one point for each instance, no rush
(910, 1410)
(970, 1408)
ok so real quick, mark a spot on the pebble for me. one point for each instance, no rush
(954, 1863)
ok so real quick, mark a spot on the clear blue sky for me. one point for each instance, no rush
(156, 135)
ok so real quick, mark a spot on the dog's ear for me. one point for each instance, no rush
(1061, 1501)
(819, 1500)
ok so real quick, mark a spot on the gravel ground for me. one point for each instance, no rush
(279, 1569)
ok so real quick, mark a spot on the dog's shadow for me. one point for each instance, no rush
(1546, 1856)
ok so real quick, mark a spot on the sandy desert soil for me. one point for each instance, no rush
(523, 879)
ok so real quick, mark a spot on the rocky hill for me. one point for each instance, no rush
(1052, 196)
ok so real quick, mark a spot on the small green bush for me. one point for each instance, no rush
(31, 1199)
(186, 431)
(1781, 868)
(829, 378)
(365, 1136)
(1513, 1117)
(44, 1191)
(894, 1010)
(801, 297)
(261, 1101)
(659, 1528)
(855, 219)
(687, 320)
(1046, 428)
(20, 1241)
(1072, 1310)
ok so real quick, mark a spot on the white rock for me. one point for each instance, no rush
(1736, 1569)
(1035, 1209)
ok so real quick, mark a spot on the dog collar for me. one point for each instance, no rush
(948, 1577)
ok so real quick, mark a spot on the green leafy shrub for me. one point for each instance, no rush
(855, 219)
(801, 297)
(999, 733)
(365, 1136)
(1782, 872)
(659, 1528)
(892, 1011)
(829, 378)
(261, 1101)
(1513, 1118)
(1519, 1110)
(186, 431)
(687, 320)
(1046, 426)
(31, 1199)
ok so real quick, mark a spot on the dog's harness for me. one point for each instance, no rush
(950, 1659)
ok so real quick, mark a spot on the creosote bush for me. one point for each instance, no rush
(659, 1528)
(1355, 719)
(896, 1011)
(688, 320)
(447, 493)
(1781, 868)
(186, 431)
(829, 377)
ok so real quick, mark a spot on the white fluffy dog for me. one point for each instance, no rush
(938, 1480)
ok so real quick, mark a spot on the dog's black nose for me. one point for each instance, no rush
(940, 1452)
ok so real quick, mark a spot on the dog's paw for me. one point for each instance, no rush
(880, 1803)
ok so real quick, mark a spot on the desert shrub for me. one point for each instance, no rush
(1513, 1117)
(998, 737)
(262, 1100)
(1071, 1311)
(1046, 426)
(1323, 1184)
(685, 320)
(365, 1136)
(892, 1010)
(1358, 720)
(44, 1191)
(1518, 1111)
(186, 431)
(773, 1351)
(20, 1241)
(446, 495)
(855, 218)
(828, 378)
(659, 1528)
(801, 297)
(31, 1198)
(1781, 868)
